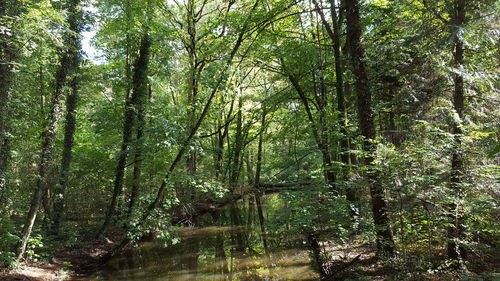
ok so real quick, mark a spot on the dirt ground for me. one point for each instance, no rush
(66, 264)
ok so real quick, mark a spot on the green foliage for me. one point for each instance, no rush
(8, 241)
(411, 78)
(35, 244)
(212, 189)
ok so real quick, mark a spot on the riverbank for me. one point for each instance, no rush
(65, 263)
(39, 271)
(75, 264)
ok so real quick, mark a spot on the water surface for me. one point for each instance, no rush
(235, 243)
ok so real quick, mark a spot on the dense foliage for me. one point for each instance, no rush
(376, 119)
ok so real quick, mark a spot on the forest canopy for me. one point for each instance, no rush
(346, 124)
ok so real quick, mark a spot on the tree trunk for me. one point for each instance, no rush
(75, 26)
(234, 169)
(192, 159)
(7, 56)
(138, 152)
(316, 253)
(136, 101)
(385, 242)
(318, 134)
(456, 231)
(258, 168)
(334, 34)
(194, 69)
(250, 171)
(221, 136)
(49, 135)
(341, 105)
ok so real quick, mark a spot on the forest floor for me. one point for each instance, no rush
(357, 261)
(65, 264)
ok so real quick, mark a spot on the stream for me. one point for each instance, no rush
(227, 245)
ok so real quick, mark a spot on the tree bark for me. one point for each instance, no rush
(316, 253)
(456, 231)
(136, 101)
(138, 152)
(385, 242)
(7, 56)
(49, 136)
(334, 34)
(260, 148)
(234, 169)
(221, 136)
(318, 134)
(341, 105)
(75, 26)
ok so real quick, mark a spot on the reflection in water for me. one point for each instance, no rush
(237, 248)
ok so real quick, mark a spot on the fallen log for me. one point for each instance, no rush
(200, 208)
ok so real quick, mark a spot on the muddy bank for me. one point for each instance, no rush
(66, 264)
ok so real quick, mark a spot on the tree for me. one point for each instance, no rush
(246, 111)
(133, 105)
(75, 23)
(334, 32)
(455, 232)
(385, 242)
(8, 13)
(49, 134)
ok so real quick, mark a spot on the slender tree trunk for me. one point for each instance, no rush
(319, 128)
(136, 101)
(328, 166)
(250, 172)
(237, 149)
(136, 177)
(7, 56)
(258, 165)
(128, 67)
(258, 171)
(192, 159)
(316, 253)
(341, 106)
(75, 25)
(194, 69)
(138, 152)
(334, 34)
(318, 134)
(221, 136)
(45, 164)
(456, 231)
(49, 135)
(194, 14)
(385, 242)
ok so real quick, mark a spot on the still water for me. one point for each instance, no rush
(245, 241)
